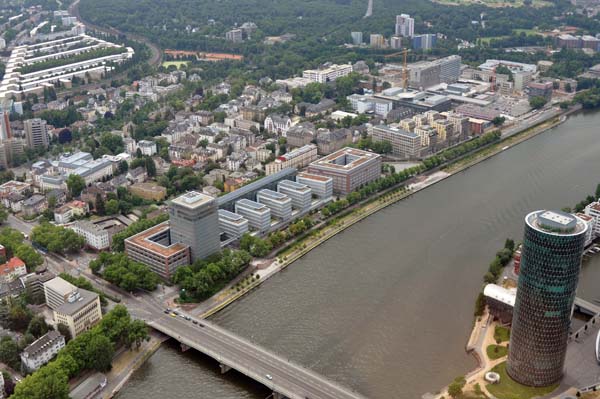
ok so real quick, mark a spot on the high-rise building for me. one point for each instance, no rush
(5, 132)
(550, 261)
(36, 133)
(396, 42)
(194, 222)
(405, 25)
(424, 42)
(377, 40)
(357, 38)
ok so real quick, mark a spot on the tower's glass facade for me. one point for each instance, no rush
(552, 249)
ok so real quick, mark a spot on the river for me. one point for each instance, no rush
(386, 306)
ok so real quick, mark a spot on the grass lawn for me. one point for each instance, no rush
(501, 334)
(509, 389)
(178, 64)
(496, 351)
(528, 32)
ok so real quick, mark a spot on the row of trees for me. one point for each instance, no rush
(92, 350)
(204, 278)
(259, 247)
(118, 269)
(580, 206)
(494, 271)
(57, 238)
(451, 154)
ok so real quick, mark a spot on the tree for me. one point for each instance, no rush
(65, 136)
(537, 102)
(29, 256)
(456, 388)
(138, 333)
(597, 191)
(9, 352)
(498, 121)
(112, 207)
(49, 382)
(37, 326)
(123, 167)
(150, 167)
(100, 207)
(75, 184)
(63, 329)
(100, 351)
(509, 244)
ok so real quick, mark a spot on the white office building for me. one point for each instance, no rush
(232, 224)
(258, 215)
(279, 204)
(593, 210)
(321, 186)
(300, 194)
(328, 73)
(147, 147)
(404, 144)
(57, 292)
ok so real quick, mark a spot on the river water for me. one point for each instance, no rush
(386, 306)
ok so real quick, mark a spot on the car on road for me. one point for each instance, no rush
(195, 321)
(173, 315)
(188, 318)
(167, 311)
(269, 377)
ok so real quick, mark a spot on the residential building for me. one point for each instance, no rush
(147, 147)
(590, 233)
(327, 73)
(521, 80)
(235, 35)
(149, 191)
(404, 144)
(376, 40)
(42, 350)
(300, 194)
(593, 210)
(57, 291)
(405, 25)
(349, 168)
(34, 205)
(541, 89)
(258, 215)
(550, 264)
(12, 270)
(278, 124)
(500, 301)
(396, 42)
(155, 248)
(66, 213)
(34, 282)
(298, 158)
(329, 141)
(357, 38)
(424, 42)
(321, 186)
(98, 233)
(195, 223)
(36, 133)
(232, 224)
(80, 312)
(279, 204)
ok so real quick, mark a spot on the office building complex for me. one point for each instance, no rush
(36, 133)
(321, 186)
(57, 291)
(279, 204)
(258, 215)
(349, 168)
(42, 350)
(194, 222)
(232, 224)
(300, 194)
(328, 73)
(98, 234)
(425, 74)
(550, 262)
(155, 248)
(405, 25)
(298, 158)
(541, 89)
(404, 144)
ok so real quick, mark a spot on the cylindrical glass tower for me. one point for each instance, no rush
(550, 261)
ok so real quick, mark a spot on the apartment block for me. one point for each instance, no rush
(36, 133)
(404, 144)
(279, 204)
(329, 73)
(258, 215)
(42, 350)
(300, 194)
(593, 210)
(298, 158)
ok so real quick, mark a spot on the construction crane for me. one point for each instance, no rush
(404, 54)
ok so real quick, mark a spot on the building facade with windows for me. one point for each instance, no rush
(258, 215)
(42, 350)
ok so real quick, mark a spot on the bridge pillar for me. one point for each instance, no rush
(224, 368)
(277, 395)
(184, 347)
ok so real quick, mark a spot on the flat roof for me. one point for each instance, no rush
(357, 158)
(312, 176)
(231, 217)
(59, 285)
(506, 296)
(398, 131)
(143, 240)
(274, 195)
(83, 299)
(256, 185)
(556, 223)
(192, 199)
(293, 185)
(256, 206)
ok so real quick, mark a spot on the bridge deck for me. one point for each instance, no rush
(287, 378)
(583, 304)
